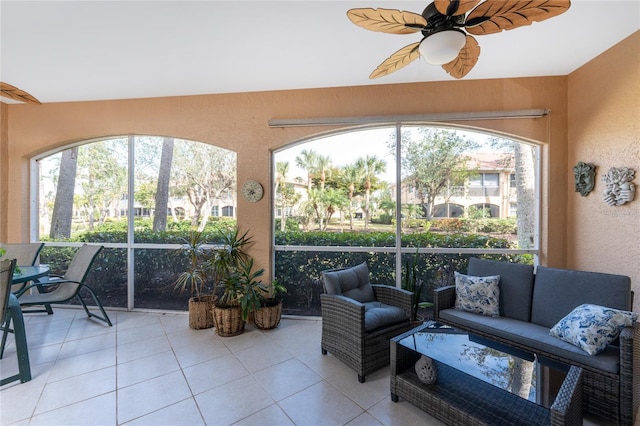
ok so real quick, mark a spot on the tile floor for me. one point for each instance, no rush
(151, 369)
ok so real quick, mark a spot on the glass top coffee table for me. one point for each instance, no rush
(480, 381)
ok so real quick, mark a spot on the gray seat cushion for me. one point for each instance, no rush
(349, 282)
(535, 337)
(377, 314)
(516, 285)
(558, 291)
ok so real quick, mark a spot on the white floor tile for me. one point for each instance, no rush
(367, 394)
(285, 379)
(200, 351)
(320, 404)
(168, 374)
(75, 389)
(151, 395)
(142, 369)
(89, 344)
(131, 351)
(139, 334)
(181, 413)
(270, 416)
(80, 364)
(214, 373)
(263, 355)
(98, 411)
(233, 401)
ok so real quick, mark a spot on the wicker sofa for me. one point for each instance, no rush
(531, 304)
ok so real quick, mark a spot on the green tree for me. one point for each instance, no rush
(203, 174)
(433, 161)
(102, 178)
(369, 166)
(333, 200)
(524, 157)
(322, 168)
(349, 177)
(63, 206)
(162, 189)
(286, 195)
(307, 161)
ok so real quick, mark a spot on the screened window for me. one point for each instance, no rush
(170, 186)
(379, 195)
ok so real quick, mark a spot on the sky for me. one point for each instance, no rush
(346, 148)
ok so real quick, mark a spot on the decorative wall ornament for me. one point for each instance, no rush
(585, 178)
(619, 189)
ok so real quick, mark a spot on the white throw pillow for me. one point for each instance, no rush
(592, 327)
(479, 295)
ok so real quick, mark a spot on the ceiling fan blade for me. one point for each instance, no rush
(494, 16)
(387, 20)
(16, 94)
(466, 60)
(399, 59)
(455, 7)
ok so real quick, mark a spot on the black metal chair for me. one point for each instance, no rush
(66, 287)
(10, 312)
(25, 254)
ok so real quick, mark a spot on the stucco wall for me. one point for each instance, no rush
(239, 122)
(604, 129)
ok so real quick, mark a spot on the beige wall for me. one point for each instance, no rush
(239, 122)
(604, 129)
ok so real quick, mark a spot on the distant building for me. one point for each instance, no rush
(493, 188)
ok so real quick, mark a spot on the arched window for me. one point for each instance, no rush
(448, 210)
(484, 210)
(85, 194)
(336, 199)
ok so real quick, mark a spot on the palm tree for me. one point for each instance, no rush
(307, 161)
(282, 169)
(322, 168)
(370, 167)
(350, 176)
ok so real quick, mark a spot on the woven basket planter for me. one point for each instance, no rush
(268, 317)
(200, 315)
(228, 321)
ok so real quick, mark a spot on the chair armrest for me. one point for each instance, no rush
(47, 283)
(341, 311)
(394, 296)
(630, 368)
(443, 298)
(567, 407)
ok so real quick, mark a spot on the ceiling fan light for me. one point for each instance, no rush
(442, 47)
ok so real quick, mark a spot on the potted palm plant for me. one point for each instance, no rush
(240, 288)
(269, 313)
(194, 279)
(412, 283)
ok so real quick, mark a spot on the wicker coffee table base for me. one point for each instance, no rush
(459, 399)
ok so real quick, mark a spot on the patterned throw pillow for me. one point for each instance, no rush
(592, 327)
(480, 295)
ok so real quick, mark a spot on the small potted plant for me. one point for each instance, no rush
(194, 279)
(240, 288)
(268, 314)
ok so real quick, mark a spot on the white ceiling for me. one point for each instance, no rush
(62, 51)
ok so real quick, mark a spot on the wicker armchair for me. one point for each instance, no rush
(355, 329)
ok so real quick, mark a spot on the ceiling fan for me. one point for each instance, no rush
(12, 92)
(447, 29)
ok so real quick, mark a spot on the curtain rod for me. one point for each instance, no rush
(390, 119)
